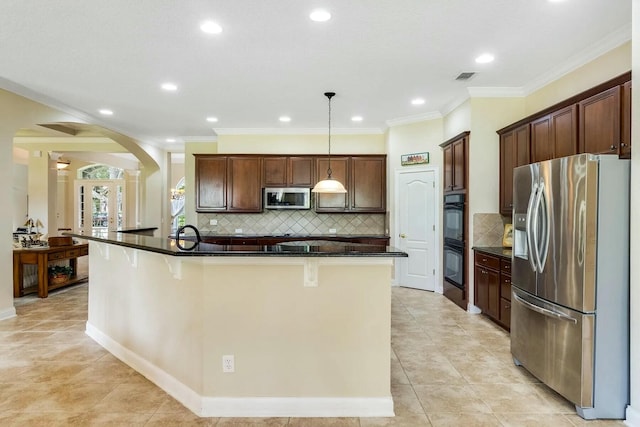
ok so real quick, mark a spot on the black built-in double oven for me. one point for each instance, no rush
(453, 218)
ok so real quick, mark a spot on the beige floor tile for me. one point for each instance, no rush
(148, 399)
(413, 420)
(534, 420)
(175, 420)
(111, 419)
(253, 422)
(324, 422)
(431, 370)
(448, 368)
(450, 399)
(463, 419)
(510, 398)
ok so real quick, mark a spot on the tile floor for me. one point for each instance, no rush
(449, 368)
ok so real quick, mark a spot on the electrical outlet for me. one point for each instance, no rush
(228, 363)
(213, 222)
(332, 231)
(238, 230)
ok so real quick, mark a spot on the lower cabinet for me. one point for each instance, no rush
(492, 285)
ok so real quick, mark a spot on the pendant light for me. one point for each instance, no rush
(329, 185)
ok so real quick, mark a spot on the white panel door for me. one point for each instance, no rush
(416, 211)
(99, 205)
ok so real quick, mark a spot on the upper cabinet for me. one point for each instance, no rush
(596, 121)
(554, 135)
(228, 183)
(234, 183)
(454, 153)
(514, 152)
(600, 122)
(368, 184)
(365, 179)
(211, 183)
(294, 171)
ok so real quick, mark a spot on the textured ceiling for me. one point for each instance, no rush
(271, 60)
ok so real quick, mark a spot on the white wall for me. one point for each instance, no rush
(633, 412)
(406, 139)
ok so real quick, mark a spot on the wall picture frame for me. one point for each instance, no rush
(414, 159)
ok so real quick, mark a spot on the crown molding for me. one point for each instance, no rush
(604, 45)
(455, 104)
(198, 138)
(306, 131)
(495, 92)
(414, 119)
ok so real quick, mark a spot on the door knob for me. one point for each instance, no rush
(402, 235)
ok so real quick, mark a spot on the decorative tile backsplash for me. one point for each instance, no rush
(488, 229)
(293, 222)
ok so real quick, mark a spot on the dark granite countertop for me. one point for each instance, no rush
(168, 246)
(494, 250)
(290, 236)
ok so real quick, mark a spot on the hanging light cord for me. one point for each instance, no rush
(329, 95)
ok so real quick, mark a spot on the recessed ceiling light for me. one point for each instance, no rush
(356, 118)
(211, 27)
(285, 119)
(212, 119)
(105, 112)
(320, 15)
(169, 87)
(417, 101)
(485, 58)
(170, 140)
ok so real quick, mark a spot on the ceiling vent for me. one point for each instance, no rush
(466, 76)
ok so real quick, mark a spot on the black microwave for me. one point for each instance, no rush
(287, 198)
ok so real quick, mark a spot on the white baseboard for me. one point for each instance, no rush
(8, 313)
(297, 407)
(632, 417)
(245, 406)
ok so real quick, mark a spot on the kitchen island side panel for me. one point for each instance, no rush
(299, 328)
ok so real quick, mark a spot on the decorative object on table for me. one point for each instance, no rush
(507, 236)
(329, 185)
(59, 273)
(414, 159)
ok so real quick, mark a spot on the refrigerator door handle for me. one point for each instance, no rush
(544, 311)
(536, 226)
(528, 225)
(543, 247)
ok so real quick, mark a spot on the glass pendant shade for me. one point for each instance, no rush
(329, 185)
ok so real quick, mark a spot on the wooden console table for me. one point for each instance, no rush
(41, 258)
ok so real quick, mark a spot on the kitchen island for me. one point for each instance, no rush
(307, 326)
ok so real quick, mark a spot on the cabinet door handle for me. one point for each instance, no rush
(622, 144)
(613, 147)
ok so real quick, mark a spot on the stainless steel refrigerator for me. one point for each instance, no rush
(570, 279)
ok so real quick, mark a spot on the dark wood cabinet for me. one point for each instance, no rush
(282, 171)
(228, 183)
(600, 122)
(555, 135)
(455, 162)
(368, 184)
(492, 280)
(514, 152)
(625, 137)
(211, 183)
(275, 171)
(340, 171)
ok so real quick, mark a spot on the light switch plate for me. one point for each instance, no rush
(332, 231)
(213, 222)
(238, 230)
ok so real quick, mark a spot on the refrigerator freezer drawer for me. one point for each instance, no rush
(555, 344)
